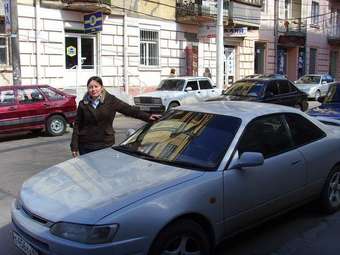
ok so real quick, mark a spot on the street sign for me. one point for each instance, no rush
(7, 8)
(93, 22)
(235, 32)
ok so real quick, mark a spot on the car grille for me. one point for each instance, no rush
(36, 218)
(146, 100)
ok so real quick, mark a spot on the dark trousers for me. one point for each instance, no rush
(83, 150)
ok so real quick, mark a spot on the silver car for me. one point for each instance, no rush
(182, 184)
(314, 85)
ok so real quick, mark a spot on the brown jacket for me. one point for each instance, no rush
(93, 127)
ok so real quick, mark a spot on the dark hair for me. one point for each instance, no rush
(95, 78)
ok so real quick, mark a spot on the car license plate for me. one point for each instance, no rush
(144, 108)
(24, 246)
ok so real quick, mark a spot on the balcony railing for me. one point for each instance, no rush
(334, 34)
(198, 11)
(80, 5)
(293, 27)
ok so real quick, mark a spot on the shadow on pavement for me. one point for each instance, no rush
(6, 242)
(24, 135)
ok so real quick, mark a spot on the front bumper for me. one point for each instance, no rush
(40, 239)
(151, 108)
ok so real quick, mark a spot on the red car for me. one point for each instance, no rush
(36, 108)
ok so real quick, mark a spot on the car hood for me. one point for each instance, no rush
(162, 93)
(305, 86)
(233, 98)
(90, 187)
(326, 110)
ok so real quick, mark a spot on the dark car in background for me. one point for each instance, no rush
(330, 105)
(36, 108)
(268, 90)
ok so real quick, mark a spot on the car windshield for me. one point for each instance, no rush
(246, 88)
(333, 95)
(186, 139)
(171, 84)
(309, 79)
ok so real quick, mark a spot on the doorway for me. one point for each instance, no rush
(80, 60)
(259, 57)
(229, 65)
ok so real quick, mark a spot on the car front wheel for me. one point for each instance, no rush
(56, 125)
(330, 196)
(182, 237)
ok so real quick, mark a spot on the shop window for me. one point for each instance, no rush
(4, 52)
(149, 48)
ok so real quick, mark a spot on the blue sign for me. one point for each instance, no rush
(93, 22)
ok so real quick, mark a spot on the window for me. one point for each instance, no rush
(27, 96)
(315, 13)
(149, 48)
(292, 87)
(312, 60)
(205, 84)
(192, 84)
(51, 94)
(4, 53)
(7, 97)
(302, 130)
(272, 89)
(267, 135)
(283, 87)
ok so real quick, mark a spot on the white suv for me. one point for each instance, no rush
(177, 91)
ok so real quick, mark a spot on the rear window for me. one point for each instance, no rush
(51, 94)
(205, 84)
(7, 97)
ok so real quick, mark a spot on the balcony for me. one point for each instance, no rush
(80, 5)
(198, 11)
(292, 27)
(245, 12)
(334, 34)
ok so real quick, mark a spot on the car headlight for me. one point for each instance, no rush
(156, 100)
(136, 100)
(90, 234)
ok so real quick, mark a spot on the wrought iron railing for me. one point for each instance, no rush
(293, 26)
(199, 8)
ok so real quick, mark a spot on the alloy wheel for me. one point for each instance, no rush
(334, 190)
(182, 245)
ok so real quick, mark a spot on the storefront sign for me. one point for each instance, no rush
(93, 22)
(71, 51)
(7, 8)
(235, 32)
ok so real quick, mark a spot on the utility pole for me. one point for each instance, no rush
(220, 46)
(15, 44)
(276, 37)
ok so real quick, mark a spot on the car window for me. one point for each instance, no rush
(186, 139)
(309, 79)
(333, 94)
(27, 96)
(246, 88)
(51, 94)
(267, 135)
(302, 130)
(292, 88)
(272, 89)
(205, 84)
(283, 86)
(171, 84)
(7, 97)
(192, 84)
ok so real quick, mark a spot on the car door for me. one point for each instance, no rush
(206, 89)
(271, 94)
(192, 94)
(287, 96)
(32, 107)
(251, 193)
(9, 118)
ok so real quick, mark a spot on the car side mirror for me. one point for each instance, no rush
(324, 82)
(249, 159)
(321, 99)
(188, 89)
(130, 132)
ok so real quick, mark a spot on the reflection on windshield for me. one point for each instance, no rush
(309, 79)
(333, 95)
(187, 139)
(173, 84)
(246, 88)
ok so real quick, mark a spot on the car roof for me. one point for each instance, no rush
(23, 86)
(186, 78)
(241, 109)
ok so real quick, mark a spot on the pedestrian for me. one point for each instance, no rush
(172, 72)
(93, 128)
(207, 72)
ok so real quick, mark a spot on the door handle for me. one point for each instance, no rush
(12, 108)
(47, 105)
(295, 162)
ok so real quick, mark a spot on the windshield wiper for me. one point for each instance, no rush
(130, 151)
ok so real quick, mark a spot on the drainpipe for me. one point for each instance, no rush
(125, 57)
(220, 46)
(37, 39)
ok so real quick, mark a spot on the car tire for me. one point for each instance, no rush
(317, 95)
(56, 125)
(182, 237)
(330, 195)
(172, 105)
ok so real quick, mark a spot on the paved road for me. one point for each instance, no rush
(301, 232)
